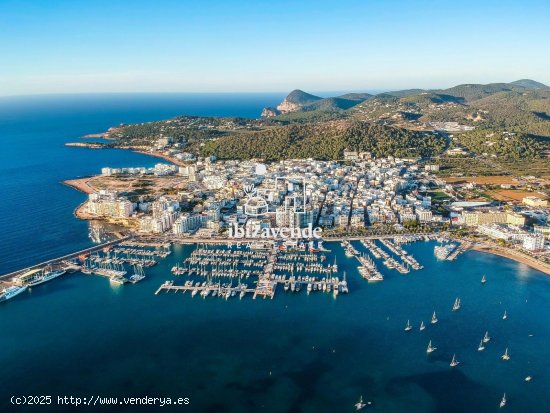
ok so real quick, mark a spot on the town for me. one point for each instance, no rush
(357, 196)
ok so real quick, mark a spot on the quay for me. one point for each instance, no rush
(61, 261)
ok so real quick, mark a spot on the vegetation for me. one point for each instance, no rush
(324, 141)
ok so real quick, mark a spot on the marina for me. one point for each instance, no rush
(212, 273)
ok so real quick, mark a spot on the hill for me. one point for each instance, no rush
(326, 141)
(295, 100)
(529, 84)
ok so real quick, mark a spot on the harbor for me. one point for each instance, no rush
(369, 310)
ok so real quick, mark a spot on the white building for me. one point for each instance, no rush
(533, 242)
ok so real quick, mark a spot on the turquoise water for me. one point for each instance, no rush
(297, 353)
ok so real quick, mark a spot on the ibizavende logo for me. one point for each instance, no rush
(275, 233)
(256, 208)
(256, 205)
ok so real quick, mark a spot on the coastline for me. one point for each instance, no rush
(512, 255)
(80, 184)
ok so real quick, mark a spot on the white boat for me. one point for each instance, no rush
(422, 326)
(10, 292)
(528, 378)
(434, 318)
(486, 337)
(503, 401)
(505, 316)
(360, 405)
(506, 356)
(481, 346)
(456, 305)
(454, 361)
(408, 327)
(45, 276)
(430, 348)
(138, 274)
(483, 279)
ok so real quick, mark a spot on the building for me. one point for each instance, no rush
(109, 205)
(535, 201)
(187, 223)
(534, 242)
(492, 217)
(431, 168)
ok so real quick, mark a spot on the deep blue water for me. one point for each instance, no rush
(36, 210)
(80, 336)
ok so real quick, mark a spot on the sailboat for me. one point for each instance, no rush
(434, 318)
(486, 337)
(481, 346)
(360, 405)
(505, 316)
(408, 327)
(506, 356)
(483, 279)
(503, 401)
(430, 349)
(456, 305)
(454, 361)
(422, 326)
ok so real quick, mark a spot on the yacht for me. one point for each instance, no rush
(10, 292)
(506, 356)
(481, 346)
(505, 316)
(434, 318)
(503, 401)
(430, 349)
(422, 326)
(45, 276)
(483, 279)
(454, 361)
(456, 305)
(408, 327)
(486, 337)
(528, 378)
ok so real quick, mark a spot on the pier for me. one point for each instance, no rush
(61, 261)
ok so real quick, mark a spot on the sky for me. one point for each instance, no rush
(74, 46)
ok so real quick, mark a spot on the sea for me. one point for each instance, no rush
(84, 337)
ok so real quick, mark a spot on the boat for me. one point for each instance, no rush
(138, 274)
(506, 356)
(10, 292)
(430, 348)
(503, 401)
(408, 326)
(434, 318)
(454, 361)
(422, 326)
(456, 305)
(44, 276)
(481, 346)
(486, 337)
(360, 405)
(483, 279)
(505, 316)
(528, 378)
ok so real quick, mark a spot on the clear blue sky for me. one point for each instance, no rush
(68, 46)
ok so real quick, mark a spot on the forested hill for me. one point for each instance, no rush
(324, 141)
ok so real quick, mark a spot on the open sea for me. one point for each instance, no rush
(81, 336)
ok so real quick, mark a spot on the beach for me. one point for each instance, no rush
(513, 255)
